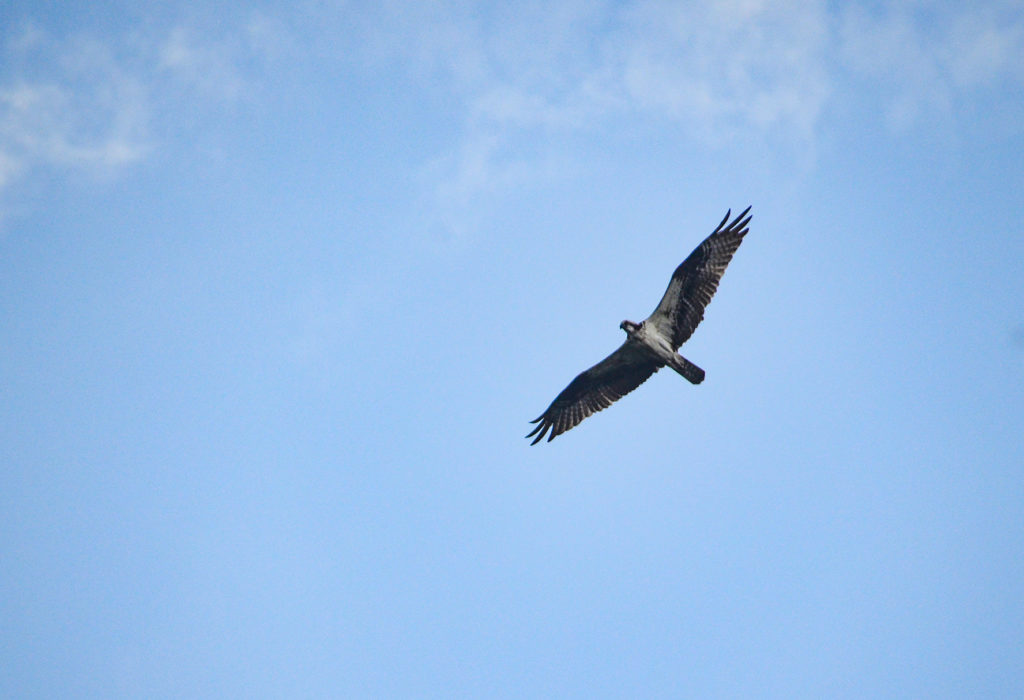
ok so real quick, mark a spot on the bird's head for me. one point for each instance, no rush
(630, 327)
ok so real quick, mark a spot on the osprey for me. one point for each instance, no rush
(652, 343)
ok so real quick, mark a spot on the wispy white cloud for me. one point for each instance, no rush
(218, 64)
(925, 57)
(738, 67)
(481, 168)
(87, 113)
(205, 66)
(522, 74)
(753, 66)
(87, 104)
(981, 47)
(46, 123)
(723, 67)
(759, 69)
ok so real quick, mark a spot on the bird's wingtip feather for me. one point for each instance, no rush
(542, 432)
(724, 219)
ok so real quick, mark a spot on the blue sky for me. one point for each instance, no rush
(281, 286)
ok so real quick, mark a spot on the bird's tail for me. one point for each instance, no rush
(692, 373)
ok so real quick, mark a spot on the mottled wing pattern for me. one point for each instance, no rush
(696, 279)
(595, 389)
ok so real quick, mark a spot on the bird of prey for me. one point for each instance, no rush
(652, 343)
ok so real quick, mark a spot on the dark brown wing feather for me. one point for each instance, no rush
(696, 279)
(596, 389)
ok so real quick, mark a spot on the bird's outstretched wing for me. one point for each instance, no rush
(597, 388)
(695, 280)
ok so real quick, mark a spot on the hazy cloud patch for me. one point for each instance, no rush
(742, 65)
(521, 78)
(222, 65)
(735, 68)
(924, 57)
(87, 104)
(88, 114)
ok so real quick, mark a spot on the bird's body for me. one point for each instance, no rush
(649, 338)
(652, 343)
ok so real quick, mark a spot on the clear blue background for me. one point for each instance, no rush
(281, 286)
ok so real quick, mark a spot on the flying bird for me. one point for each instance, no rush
(652, 343)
